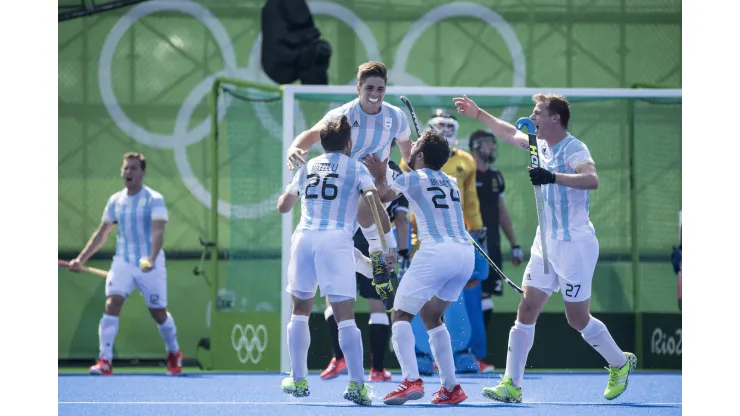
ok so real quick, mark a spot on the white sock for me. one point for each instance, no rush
(403, 345)
(350, 341)
(168, 330)
(107, 331)
(521, 338)
(390, 239)
(439, 340)
(598, 336)
(373, 238)
(299, 338)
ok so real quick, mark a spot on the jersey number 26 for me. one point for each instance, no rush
(328, 191)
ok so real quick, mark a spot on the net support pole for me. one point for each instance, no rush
(213, 229)
(634, 241)
(287, 230)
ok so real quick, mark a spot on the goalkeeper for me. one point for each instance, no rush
(465, 317)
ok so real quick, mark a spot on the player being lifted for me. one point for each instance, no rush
(568, 174)
(139, 262)
(439, 270)
(321, 253)
(374, 124)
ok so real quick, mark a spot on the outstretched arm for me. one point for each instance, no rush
(499, 128)
(301, 144)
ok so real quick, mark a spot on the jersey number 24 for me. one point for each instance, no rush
(439, 197)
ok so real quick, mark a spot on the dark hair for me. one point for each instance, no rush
(138, 156)
(371, 69)
(556, 104)
(435, 148)
(336, 134)
(477, 137)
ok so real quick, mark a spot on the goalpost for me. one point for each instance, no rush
(633, 133)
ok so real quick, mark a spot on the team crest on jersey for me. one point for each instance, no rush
(494, 184)
(388, 123)
(459, 169)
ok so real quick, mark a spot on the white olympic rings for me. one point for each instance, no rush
(248, 343)
(183, 136)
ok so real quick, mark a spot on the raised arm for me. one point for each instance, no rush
(301, 144)
(499, 128)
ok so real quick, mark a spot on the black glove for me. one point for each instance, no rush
(403, 262)
(540, 176)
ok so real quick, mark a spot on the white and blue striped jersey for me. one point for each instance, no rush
(329, 186)
(435, 201)
(373, 133)
(134, 215)
(566, 209)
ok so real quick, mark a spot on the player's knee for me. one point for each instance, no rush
(376, 306)
(113, 305)
(527, 312)
(399, 315)
(577, 319)
(159, 314)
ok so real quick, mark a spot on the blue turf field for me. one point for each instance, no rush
(259, 394)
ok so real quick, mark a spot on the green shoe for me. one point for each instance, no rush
(296, 388)
(357, 395)
(618, 377)
(505, 392)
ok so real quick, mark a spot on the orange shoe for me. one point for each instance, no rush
(102, 368)
(379, 375)
(457, 395)
(174, 363)
(335, 368)
(407, 390)
(484, 367)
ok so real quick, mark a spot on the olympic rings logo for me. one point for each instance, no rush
(183, 136)
(249, 342)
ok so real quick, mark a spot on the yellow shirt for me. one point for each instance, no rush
(460, 166)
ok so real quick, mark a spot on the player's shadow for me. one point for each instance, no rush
(637, 405)
(427, 405)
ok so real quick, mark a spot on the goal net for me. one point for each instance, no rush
(634, 136)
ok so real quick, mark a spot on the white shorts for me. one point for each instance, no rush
(323, 258)
(440, 270)
(571, 272)
(123, 278)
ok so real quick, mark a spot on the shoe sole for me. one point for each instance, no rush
(397, 401)
(498, 398)
(632, 360)
(297, 394)
(356, 399)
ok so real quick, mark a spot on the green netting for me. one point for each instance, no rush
(252, 161)
(250, 157)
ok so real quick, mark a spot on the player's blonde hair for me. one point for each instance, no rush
(556, 104)
(138, 156)
(371, 69)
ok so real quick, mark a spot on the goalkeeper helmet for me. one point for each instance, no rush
(477, 148)
(445, 123)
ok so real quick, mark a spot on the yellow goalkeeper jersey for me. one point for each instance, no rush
(460, 166)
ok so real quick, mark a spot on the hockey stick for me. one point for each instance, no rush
(472, 240)
(534, 157)
(93, 270)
